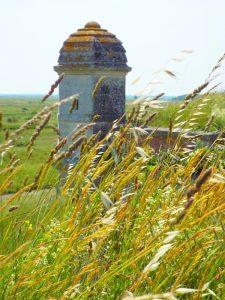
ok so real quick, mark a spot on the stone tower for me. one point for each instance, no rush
(89, 56)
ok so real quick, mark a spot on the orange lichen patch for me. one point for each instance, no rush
(80, 39)
(93, 33)
(91, 29)
(79, 48)
(90, 39)
(88, 35)
(67, 47)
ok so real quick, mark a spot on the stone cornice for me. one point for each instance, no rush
(75, 70)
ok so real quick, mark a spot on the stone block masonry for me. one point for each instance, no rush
(89, 54)
(160, 137)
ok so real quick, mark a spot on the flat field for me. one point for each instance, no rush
(15, 112)
(18, 110)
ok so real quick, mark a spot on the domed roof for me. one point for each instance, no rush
(92, 47)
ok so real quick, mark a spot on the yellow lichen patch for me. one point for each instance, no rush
(89, 34)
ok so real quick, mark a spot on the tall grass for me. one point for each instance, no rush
(124, 222)
(167, 111)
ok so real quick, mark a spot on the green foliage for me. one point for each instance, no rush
(215, 106)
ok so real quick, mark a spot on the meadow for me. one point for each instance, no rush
(17, 110)
(124, 222)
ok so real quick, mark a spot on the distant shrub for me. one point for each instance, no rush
(219, 113)
(12, 119)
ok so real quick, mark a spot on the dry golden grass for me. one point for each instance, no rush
(123, 222)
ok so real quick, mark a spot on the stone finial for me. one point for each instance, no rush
(92, 24)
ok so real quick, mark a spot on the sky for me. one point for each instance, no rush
(186, 37)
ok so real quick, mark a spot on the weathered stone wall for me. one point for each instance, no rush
(109, 103)
(160, 137)
(73, 84)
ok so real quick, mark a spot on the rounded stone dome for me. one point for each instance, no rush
(92, 24)
(92, 47)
